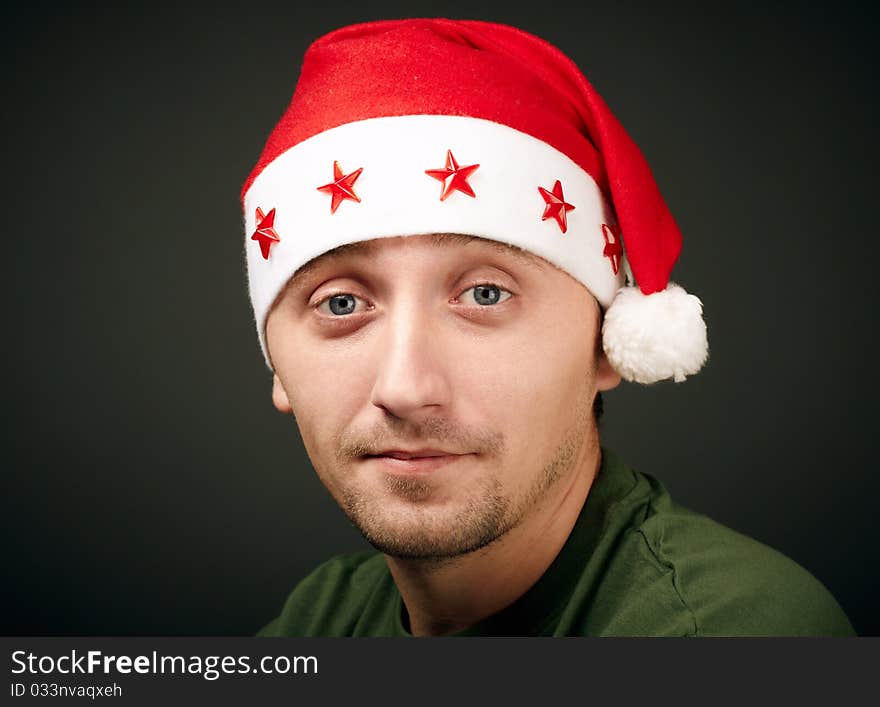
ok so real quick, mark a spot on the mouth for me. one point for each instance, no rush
(416, 462)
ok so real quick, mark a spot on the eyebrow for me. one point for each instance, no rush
(438, 240)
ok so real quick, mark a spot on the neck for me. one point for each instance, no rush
(448, 595)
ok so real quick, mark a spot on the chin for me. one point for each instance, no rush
(409, 529)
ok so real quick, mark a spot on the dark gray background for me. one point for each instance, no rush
(151, 488)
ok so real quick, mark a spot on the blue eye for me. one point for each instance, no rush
(488, 294)
(339, 305)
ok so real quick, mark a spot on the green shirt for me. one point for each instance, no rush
(636, 564)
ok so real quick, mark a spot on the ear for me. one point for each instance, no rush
(606, 377)
(279, 396)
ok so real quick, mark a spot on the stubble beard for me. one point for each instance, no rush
(422, 531)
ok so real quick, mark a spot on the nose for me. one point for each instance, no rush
(411, 376)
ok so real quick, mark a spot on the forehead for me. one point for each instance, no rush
(446, 241)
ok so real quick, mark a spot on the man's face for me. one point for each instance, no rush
(443, 345)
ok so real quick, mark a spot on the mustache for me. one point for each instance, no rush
(437, 432)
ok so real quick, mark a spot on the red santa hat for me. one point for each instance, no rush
(422, 126)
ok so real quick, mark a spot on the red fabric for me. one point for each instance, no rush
(490, 71)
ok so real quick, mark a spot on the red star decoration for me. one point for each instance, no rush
(556, 207)
(265, 234)
(342, 186)
(454, 178)
(613, 248)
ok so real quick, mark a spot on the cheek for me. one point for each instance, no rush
(543, 383)
(320, 383)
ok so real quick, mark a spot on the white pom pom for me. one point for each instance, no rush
(649, 338)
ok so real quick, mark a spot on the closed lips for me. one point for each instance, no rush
(419, 454)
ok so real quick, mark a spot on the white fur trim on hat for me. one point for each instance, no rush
(649, 338)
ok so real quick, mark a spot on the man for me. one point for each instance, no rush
(453, 248)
